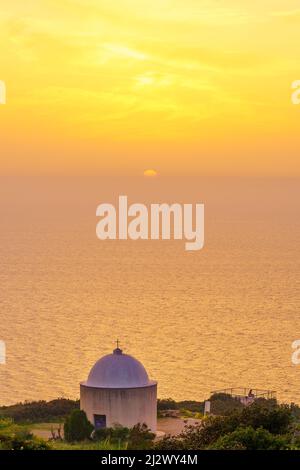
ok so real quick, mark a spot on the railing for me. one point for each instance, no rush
(238, 392)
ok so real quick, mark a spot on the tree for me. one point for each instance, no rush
(275, 418)
(223, 404)
(39, 411)
(77, 427)
(166, 404)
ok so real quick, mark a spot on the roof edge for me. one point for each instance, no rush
(151, 383)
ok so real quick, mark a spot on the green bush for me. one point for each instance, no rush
(274, 419)
(16, 437)
(114, 435)
(77, 427)
(140, 437)
(251, 439)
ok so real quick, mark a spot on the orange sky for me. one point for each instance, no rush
(183, 87)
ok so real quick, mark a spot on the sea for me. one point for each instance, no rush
(224, 316)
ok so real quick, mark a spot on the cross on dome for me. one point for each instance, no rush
(117, 350)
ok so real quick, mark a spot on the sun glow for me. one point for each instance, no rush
(109, 85)
(150, 173)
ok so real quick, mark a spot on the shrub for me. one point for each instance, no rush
(116, 434)
(274, 419)
(140, 437)
(15, 437)
(251, 439)
(77, 427)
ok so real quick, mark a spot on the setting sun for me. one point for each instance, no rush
(150, 172)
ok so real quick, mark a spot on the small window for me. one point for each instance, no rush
(100, 421)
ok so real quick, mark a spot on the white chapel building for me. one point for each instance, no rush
(118, 391)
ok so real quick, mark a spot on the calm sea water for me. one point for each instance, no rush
(224, 316)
